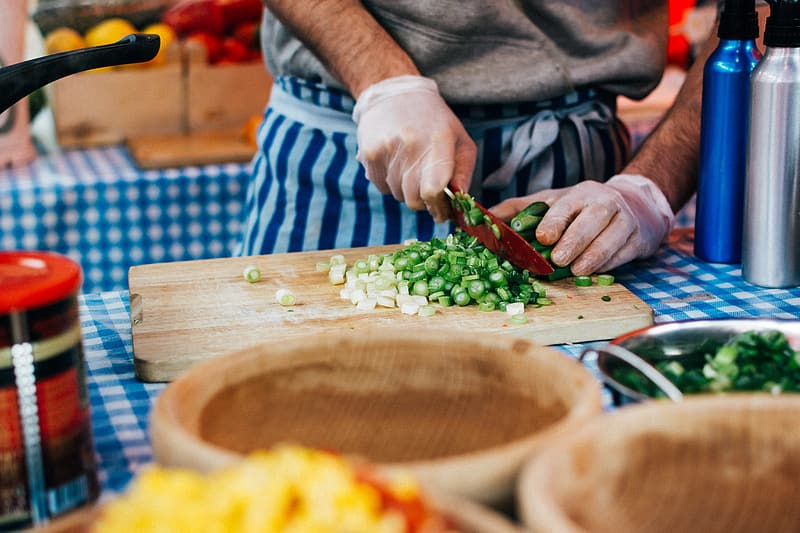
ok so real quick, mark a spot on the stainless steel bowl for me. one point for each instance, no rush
(686, 341)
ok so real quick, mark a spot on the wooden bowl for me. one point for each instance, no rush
(708, 464)
(468, 516)
(460, 411)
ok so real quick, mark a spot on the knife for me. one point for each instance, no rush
(498, 236)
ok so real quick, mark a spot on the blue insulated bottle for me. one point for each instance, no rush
(723, 135)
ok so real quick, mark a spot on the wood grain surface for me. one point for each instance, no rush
(461, 413)
(186, 312)
(712, 463)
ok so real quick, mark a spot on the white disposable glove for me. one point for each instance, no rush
(599, 226)
(411, 144)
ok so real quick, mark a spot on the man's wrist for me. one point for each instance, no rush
(390, 87)
(649, 191)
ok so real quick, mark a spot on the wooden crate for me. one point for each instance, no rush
(223, 97)
(106, 107)
(185, 97)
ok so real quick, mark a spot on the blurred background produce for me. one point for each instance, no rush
(206, 89)
(226, 30)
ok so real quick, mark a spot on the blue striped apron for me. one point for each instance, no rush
(308, 191)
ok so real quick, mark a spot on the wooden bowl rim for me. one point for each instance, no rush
(539, 469)
(587, 404)
(473, 516)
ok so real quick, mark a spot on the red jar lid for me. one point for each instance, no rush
(35, 279)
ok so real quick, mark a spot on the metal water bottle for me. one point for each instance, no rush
(723, 135)
(771, 243)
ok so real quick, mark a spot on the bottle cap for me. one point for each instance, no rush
(783, 24)
(35, 279)
(738, 21)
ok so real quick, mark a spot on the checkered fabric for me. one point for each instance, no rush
(120, 403)
(97, 207)
(674, 283)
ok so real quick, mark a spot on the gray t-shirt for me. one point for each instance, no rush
(508, 50)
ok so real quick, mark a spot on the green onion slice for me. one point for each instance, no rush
(252, 273)
(285, 297)
(605, 279)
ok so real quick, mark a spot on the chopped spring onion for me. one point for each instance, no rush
(456, 270)
(583, 281)
(427, 310)
(409, 308)
(336, 274)
(515, 308)
(367, 304)
(323, 266)
(606, 298)
(605, 279)
(285, 297)
(385, 301)
(486, 305)
(252, 273)
(520, 318)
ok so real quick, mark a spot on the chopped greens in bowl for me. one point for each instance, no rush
(710, 356)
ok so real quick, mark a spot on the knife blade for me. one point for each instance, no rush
(498, 237)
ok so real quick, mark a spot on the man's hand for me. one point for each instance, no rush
(599, 226)
(411, 144)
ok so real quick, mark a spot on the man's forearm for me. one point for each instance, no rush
(346, 38)
(669, 156)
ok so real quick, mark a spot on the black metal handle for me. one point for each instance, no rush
(21, 79)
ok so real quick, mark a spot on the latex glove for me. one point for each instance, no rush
(411, 144)
(599, 226)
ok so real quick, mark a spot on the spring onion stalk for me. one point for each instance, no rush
(252, 274)
(285, 297)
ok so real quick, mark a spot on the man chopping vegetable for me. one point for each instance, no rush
(379, 105)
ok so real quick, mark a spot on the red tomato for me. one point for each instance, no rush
(235, 12)
(234, 51)
(212, 44)
(247, 33)
(189, 16)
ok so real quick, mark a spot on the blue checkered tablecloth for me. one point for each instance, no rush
(675, 284)
(97, 207)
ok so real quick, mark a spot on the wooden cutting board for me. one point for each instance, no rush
(186, 312)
